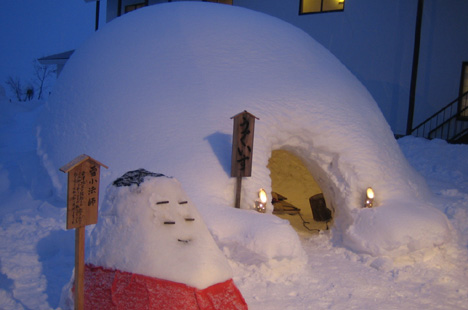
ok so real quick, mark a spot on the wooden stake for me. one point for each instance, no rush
(242, 149)
(82, 209)
(79, 267)
(238, 192)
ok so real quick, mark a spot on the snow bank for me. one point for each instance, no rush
(156, 89)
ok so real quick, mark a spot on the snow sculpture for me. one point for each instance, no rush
(158, 86)
(151, 250)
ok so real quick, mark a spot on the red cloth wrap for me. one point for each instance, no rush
(114, 289)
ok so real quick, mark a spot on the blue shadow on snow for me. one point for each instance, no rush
(222, 147)
(57, 255)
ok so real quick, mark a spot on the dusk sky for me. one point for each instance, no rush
(31, 29)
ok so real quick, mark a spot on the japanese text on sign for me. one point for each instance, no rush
(83, 195)
(242, 145)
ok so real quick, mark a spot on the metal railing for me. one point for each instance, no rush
(449, 123)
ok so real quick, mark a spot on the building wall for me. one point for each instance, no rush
(444, 46)
(375, 40)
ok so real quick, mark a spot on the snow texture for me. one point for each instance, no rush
(153, 229)
(156, 89)
(37, 252)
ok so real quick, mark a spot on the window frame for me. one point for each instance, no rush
(321, 8)
(135, 6)
(228, 2)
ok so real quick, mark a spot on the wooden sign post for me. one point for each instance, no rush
(82, 209)
(242, 149)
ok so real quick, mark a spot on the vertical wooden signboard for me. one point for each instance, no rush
(82, 209)
(242, 149)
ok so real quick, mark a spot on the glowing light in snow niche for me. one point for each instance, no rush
(260, 203)
(369, 198)
(262, 195)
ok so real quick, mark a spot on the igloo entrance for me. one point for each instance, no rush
(294, 190)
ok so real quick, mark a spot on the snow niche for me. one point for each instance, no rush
(157, 87)
(147, 225)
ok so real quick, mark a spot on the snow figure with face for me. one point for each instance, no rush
(151, 250)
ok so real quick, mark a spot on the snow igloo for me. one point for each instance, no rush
(156, 89)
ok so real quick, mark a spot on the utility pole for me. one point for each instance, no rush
(96, 27)
(414, 73)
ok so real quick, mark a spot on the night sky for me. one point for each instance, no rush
(31, 29)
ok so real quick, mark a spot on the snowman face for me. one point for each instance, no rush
(149, 226)
(176, 218)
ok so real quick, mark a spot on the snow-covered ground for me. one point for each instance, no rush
(409, 252)
(37, 253)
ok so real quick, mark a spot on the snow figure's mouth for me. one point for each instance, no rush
(186, 241)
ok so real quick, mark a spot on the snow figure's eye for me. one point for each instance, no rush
(189, 219)
(169, 223)
(162, 202)
(183, 202)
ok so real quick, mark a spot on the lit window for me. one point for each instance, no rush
(463, 100)
(318, 6)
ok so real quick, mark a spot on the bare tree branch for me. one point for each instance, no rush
(15, 86)
(41, 74)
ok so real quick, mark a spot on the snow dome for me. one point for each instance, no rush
(156, 88)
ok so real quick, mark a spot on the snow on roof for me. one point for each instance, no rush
(157, 87)
(55, 59)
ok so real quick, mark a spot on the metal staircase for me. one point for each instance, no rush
(449, 123)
